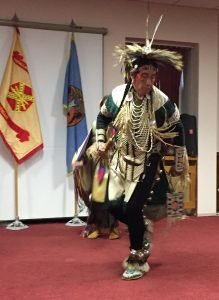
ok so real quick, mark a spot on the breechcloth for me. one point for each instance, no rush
(131, 213)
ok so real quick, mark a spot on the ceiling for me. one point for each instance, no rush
(211, 4)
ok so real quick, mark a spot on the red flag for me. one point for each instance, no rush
(19, 122)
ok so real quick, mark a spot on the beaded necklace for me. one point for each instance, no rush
(139, 113)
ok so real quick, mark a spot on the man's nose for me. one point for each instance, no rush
(149, 81)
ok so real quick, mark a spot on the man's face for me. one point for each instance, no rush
(144, 80)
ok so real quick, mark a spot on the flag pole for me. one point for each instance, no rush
(76, 221)
(77, 129)
(17, 224)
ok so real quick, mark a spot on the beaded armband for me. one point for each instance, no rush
(100, 136)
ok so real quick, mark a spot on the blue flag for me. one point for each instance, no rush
(74, 104)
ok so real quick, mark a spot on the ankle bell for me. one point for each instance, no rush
(137, 256)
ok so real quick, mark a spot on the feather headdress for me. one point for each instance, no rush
(133, 56)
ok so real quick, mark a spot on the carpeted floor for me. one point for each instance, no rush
(52, 261)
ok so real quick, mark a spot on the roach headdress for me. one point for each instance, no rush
(134, 56)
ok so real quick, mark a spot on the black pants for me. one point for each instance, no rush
(131, 213)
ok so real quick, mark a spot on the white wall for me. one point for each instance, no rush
(44, 190)
(125, 18)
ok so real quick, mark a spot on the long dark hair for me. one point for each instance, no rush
(127, 88)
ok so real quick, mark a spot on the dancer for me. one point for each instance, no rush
(146, 123)
(91, 178)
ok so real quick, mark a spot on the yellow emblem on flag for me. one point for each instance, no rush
(20, 96)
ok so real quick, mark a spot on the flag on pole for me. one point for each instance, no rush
(19, 122)
(74, 105)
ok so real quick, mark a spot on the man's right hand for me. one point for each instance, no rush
(102, 149)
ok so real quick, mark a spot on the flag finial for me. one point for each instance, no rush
(73, 24)
(15, 21)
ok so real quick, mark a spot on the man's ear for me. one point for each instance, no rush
(133, 74)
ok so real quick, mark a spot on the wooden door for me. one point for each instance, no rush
(217, 181)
